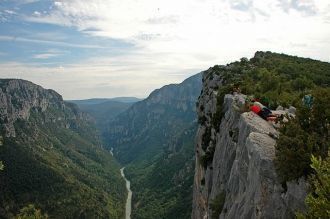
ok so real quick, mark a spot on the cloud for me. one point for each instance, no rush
(173, 39)
(307, 7)
(24, 2)
(36, 13)
(45, 55)
(119, 77)
(6, 15)
(242, 5)
(49, 42)
(51, 53)
(10, 12)
(163, 20)
(160, 21)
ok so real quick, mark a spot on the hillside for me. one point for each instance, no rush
(244, 166)
(53, 158)
(154, 138)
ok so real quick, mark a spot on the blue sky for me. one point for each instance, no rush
(108, 48)
(47, 44)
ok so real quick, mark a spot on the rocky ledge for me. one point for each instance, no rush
(240, 181)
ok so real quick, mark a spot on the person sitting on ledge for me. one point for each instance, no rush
(263, 111)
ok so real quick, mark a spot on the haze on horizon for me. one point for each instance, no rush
(108, 48)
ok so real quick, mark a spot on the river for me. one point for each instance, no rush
(129, 196)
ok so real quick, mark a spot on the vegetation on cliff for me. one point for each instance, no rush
(318, 201)
(278, 79)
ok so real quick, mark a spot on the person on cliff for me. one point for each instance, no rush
(263, 111)
(307, 100)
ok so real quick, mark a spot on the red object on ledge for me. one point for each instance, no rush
(256, 109)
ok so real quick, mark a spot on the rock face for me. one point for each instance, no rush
(18, 97)
(242, 169)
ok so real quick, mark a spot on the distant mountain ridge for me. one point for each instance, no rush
(104, 110)
(103, 100)
(157, 112)
(53, 157)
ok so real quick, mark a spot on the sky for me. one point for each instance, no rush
(109, 48)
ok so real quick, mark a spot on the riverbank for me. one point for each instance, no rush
(128, 209)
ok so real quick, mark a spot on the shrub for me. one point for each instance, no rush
(303, 136)
(318, 200)
(216, 118)
(1, 165)
(217, 204)
(206, 138)
(207, 158)
(30, 212)
(292, 152)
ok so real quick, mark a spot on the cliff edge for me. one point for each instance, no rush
(18, 97)
(235, 175)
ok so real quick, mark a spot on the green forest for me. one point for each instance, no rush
(57, 168)
(164, 189)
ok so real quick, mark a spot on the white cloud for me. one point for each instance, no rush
(51, 53)
(23, 2)
(99, 77)
(183, 37)
(36, 13)
(44, 55)
(196, 27)
(10, 12)
(50, 42)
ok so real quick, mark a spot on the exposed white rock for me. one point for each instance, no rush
(242, 166)
(18, 98)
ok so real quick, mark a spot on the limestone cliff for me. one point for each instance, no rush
(234, 162)
(19, 97)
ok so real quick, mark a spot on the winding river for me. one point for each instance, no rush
(129, 196)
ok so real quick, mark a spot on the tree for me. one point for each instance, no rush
(303, 136)
(318, 200)
(30, 212)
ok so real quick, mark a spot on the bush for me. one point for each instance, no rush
(303, 136)
(216, 118)
(318, 200)
(217, 204)
(206, 139)
(207, 158)
(30, 212)
(292, 152)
